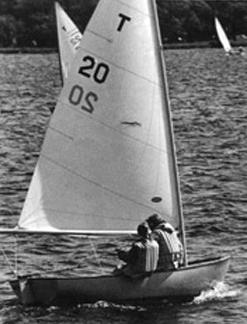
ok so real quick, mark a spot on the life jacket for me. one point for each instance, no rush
(170, 248)
(147, 258)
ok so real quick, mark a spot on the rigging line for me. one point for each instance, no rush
(96, 183)
(169, 128)
(12, 269)
(16, 255)
(96, 255)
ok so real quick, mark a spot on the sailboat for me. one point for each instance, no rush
(222, 36)
(69, 38)
(108, 162)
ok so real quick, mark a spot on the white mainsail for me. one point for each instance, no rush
(222, 36)
(107, 161)
(69, 38)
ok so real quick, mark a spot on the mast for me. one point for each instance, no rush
(170, 129)
(58, 47)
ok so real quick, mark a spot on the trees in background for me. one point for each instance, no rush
(32, 22)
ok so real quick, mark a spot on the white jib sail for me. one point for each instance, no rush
(106, 162)
(69, 38)
(222, 36)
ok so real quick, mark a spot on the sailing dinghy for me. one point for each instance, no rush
(69, 38)
(222, 36)
(108, 161)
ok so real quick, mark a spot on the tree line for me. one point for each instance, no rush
(32, 23)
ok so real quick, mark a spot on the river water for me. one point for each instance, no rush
(209, 104)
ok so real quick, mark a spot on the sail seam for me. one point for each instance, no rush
(160, 85)
(106, 125)
(61, 133)
(98, 35)
(71, 213)
(134, 8)
(95, 183)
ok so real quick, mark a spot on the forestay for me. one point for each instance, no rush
(106, 162)
(222, 36)
(69, 38)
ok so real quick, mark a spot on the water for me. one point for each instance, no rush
(209, 101)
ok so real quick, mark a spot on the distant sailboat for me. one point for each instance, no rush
(108, 161)
(69, 38)
(222, 36)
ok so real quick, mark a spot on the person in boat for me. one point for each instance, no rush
(170, 247)
(142, 258)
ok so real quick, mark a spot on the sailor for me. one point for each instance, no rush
(170, 247)
(142, 259)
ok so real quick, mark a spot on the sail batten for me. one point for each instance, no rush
(116, 130)
(106, 163)
(95, 183)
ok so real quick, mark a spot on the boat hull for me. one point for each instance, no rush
(179, 285)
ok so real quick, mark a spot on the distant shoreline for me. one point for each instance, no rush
(45, 50)
(28, 50)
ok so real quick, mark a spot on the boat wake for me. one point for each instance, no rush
(219, 292)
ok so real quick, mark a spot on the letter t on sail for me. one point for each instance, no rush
(123, 18)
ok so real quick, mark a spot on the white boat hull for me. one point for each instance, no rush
(179, 285)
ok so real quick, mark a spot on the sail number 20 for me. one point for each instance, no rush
(91, 68)
(78, 96)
